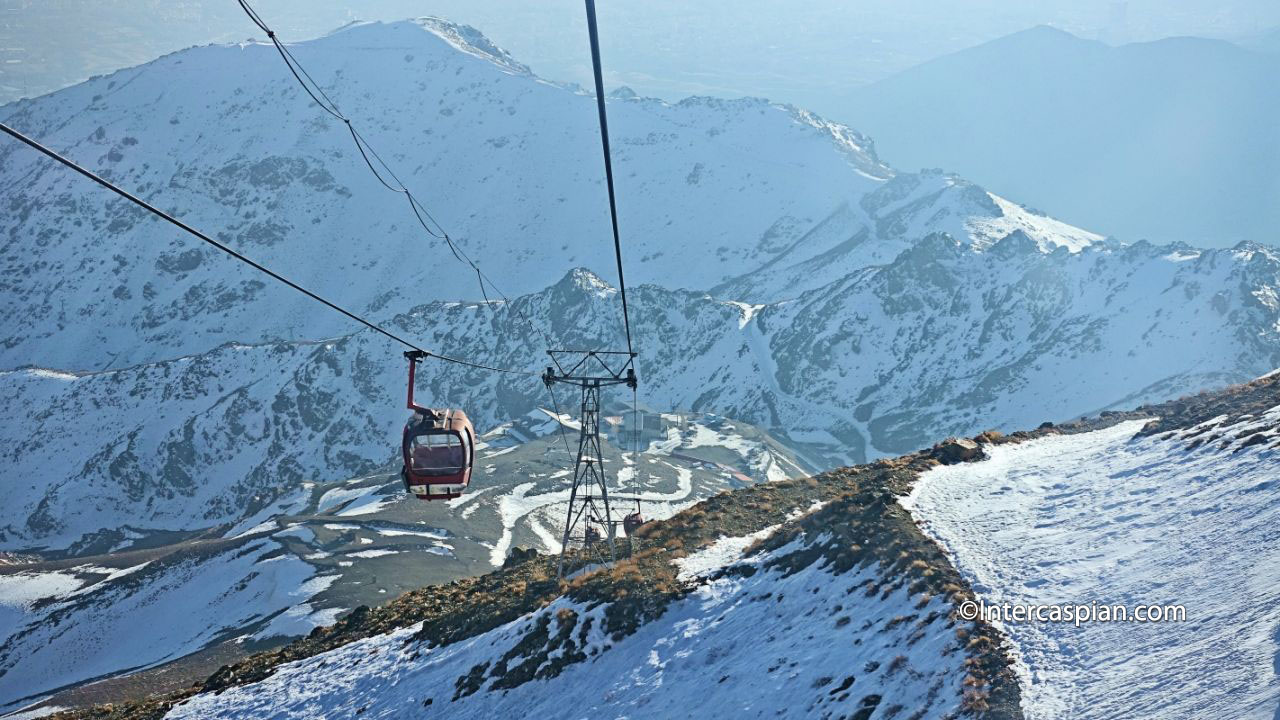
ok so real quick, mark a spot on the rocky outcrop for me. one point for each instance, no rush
(956, 450)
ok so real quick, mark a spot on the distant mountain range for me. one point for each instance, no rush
(1173, 140)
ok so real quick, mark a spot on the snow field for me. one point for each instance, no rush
(1112, 517)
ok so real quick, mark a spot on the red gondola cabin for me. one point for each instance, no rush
(439, 448)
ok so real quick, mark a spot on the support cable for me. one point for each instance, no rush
(608, 162)
(369, 155)
(559, 423)
(635, 446)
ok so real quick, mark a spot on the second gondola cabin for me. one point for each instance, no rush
(632, 522)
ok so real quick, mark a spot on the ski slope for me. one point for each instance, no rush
(1187, 518)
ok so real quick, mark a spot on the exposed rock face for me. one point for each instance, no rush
(956, 450)
(519, 555)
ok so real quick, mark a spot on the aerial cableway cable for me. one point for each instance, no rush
(370, 155)
(242, 258)
(598, 76)
(608, 162)
(395, 184)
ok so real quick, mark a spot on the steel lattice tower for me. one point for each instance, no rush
(589, 496)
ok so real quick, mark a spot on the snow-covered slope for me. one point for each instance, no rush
(1185, 517)
(222, 136)
(952, 341)
(66, 626)
(888, 221)
(769, 645)
(807, 624)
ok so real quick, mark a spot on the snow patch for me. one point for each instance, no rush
(366, 554)
(24, 589)
(722, 553)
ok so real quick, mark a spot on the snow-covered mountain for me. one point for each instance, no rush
(712, 190)
(849, 309)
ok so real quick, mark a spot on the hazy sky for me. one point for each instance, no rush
(786, 51)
